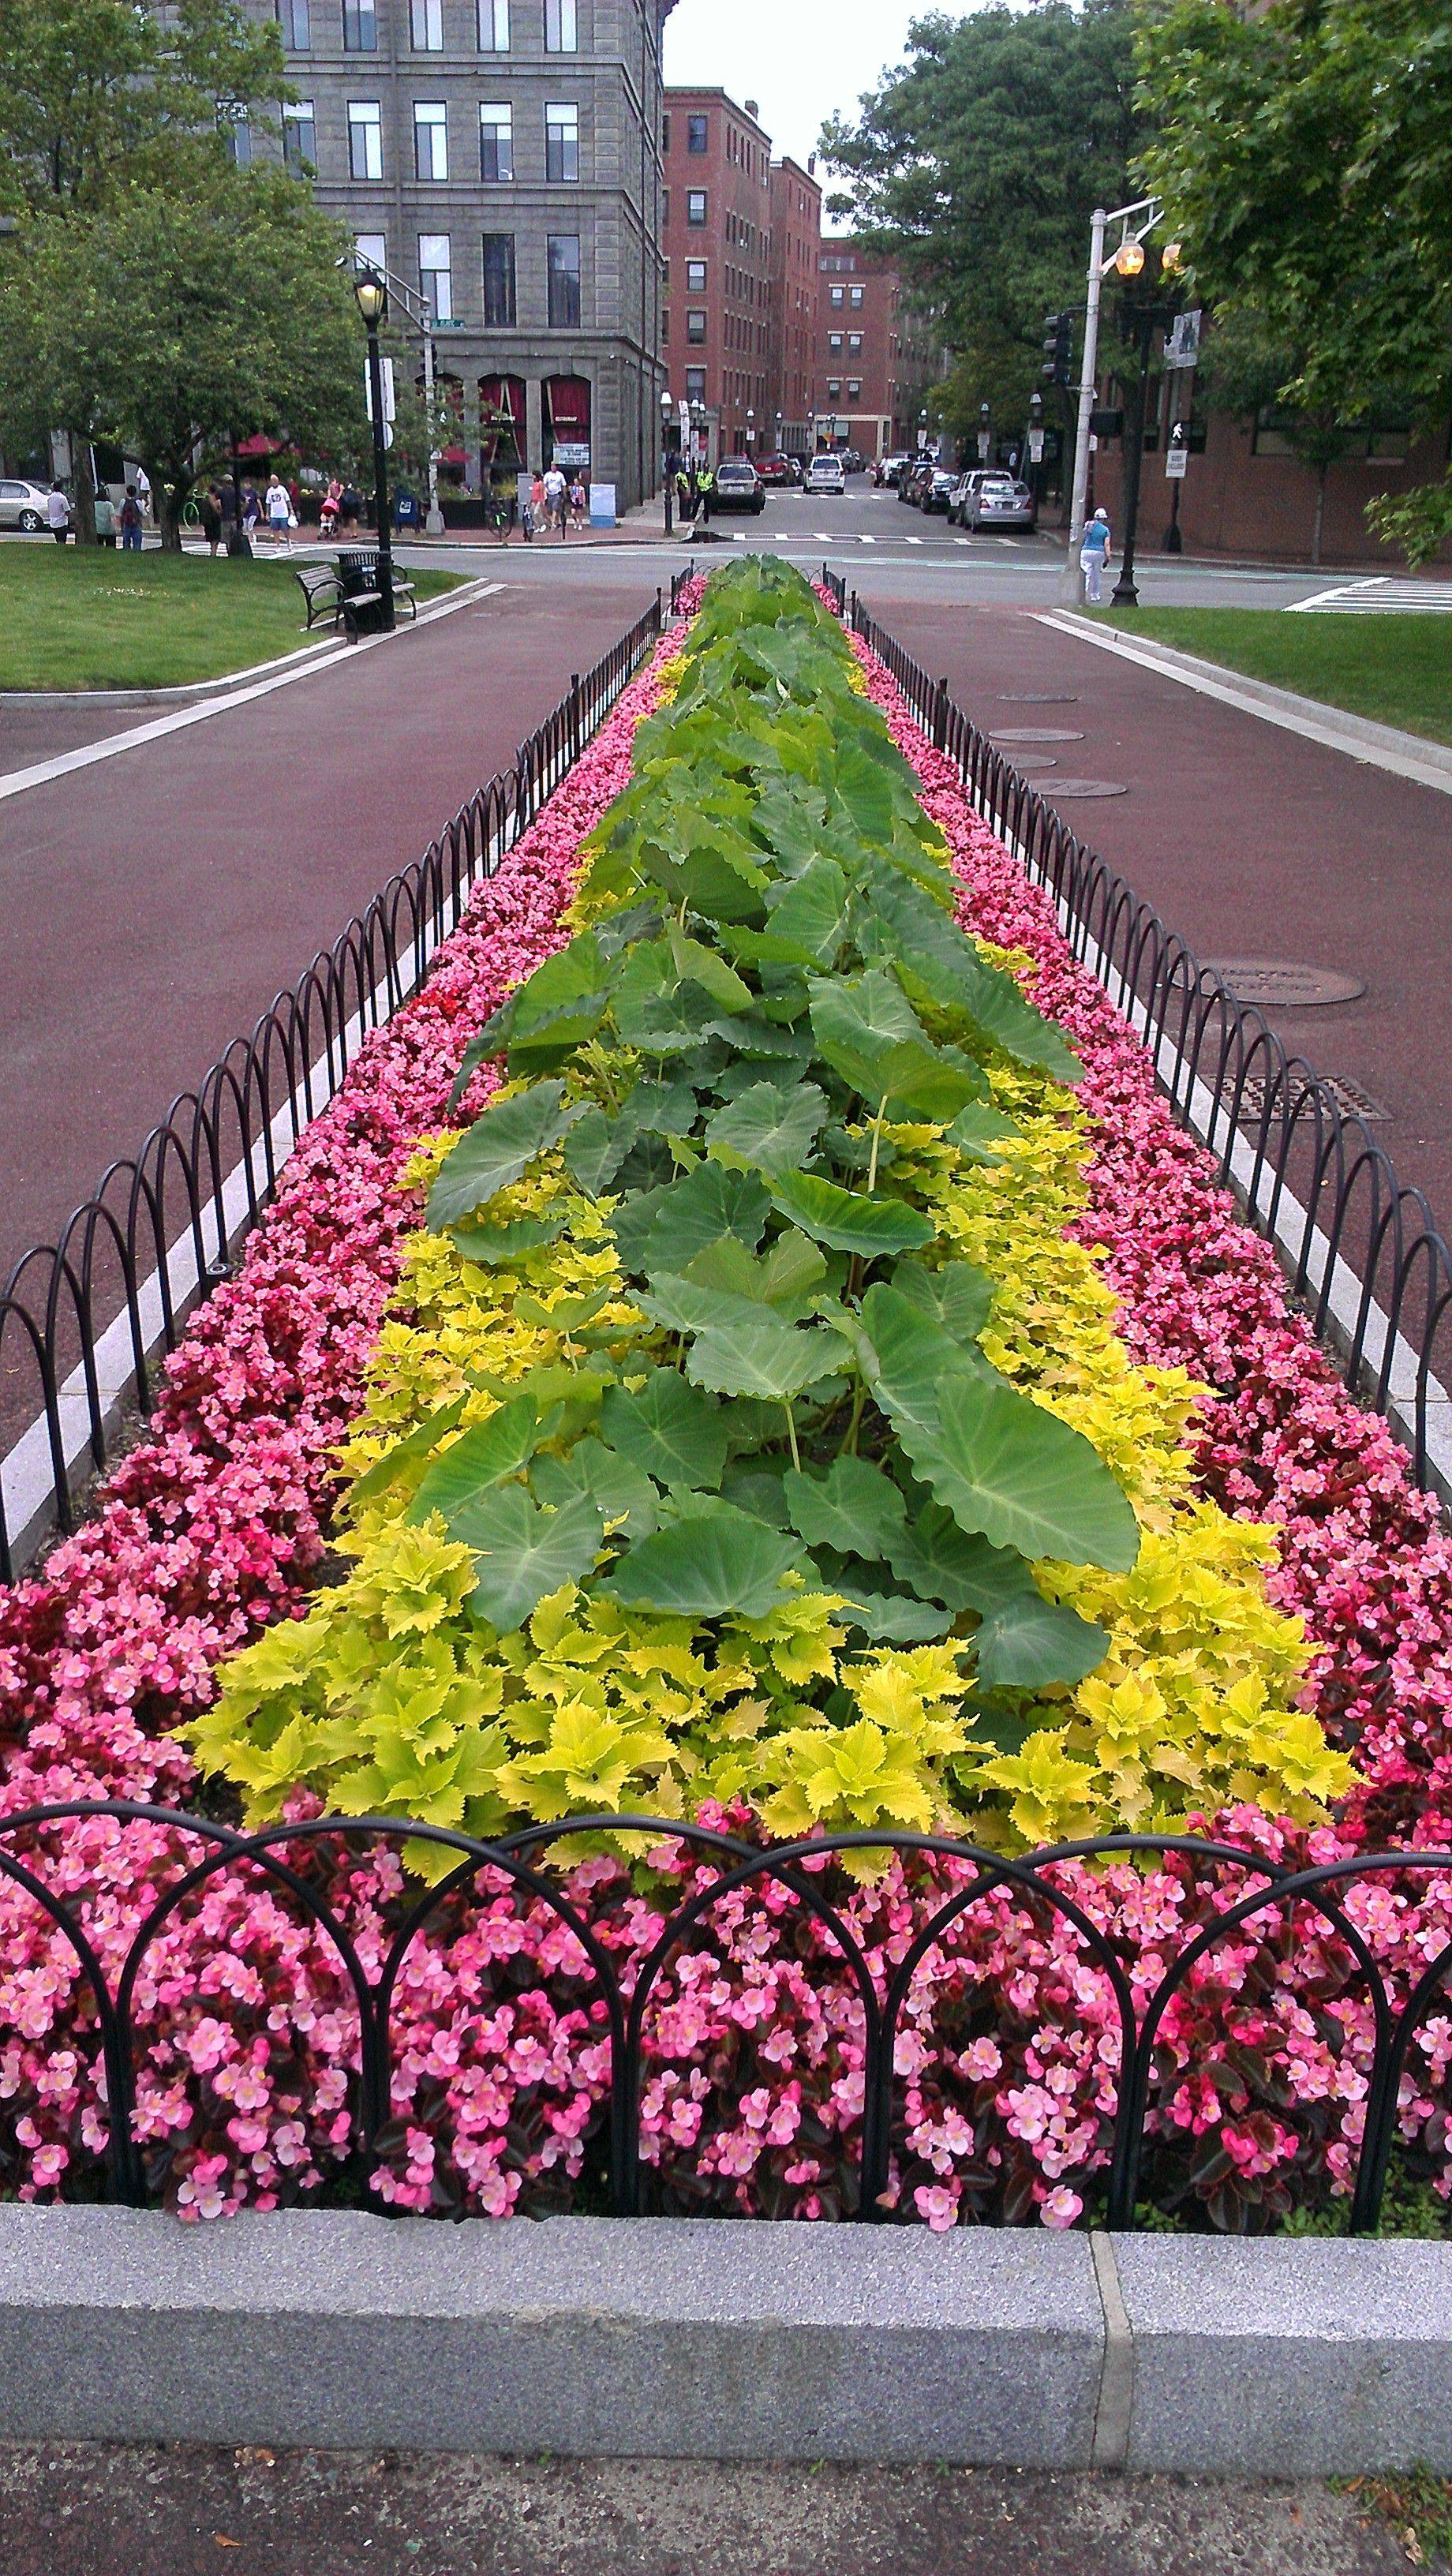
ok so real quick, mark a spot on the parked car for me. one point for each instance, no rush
(775, 469)
(825, 474)
(888, 470)
(937, 491)
(738, 486)
(915, 479)
(964, 489)
(22, 505)
(853, 461)
(1000, 502)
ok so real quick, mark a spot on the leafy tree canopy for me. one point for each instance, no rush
(166, 327)
(1306, 154)
(978, 165)
(98, 94)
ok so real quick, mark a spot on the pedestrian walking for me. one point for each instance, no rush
(131, 522)
(537, 505)
(555, 491)
(58, 513)
(1094, 555)
(229, 514)
(578, 503)
(105, 520)
(251, 509)
(331, 505)
(705, 485)
(280, 521)
(209, 510)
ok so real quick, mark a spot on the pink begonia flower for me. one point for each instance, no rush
(1060, 2208)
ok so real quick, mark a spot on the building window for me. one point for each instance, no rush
(696, 329)
(835, 387)
(292, 18)
(562, 143)
(493, 26)
(834, 342)
(370, 250)
(564, 281)
(854, 387)
(838, 294)
(695, 205)
(696, 134)
(665, 134)
(365, 139)
(665, 208)
(360, 28)
(854, 294)
(299, 135)
(499, 305)
(496, 143)
(235, 131)
(665, 326)
(435, 275)
(430, 139)
(426, 26)
(561, 27)
(696, 276)
(695, 384)
(854, 340)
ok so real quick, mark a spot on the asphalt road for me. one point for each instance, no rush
(92, 2509)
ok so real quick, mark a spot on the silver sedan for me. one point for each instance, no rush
(1003, 504)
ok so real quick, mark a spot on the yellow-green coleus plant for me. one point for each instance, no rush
(744, 1335)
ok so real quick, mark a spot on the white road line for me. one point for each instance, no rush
(112, 745)
(867, 541)
(1319, 598)
(914, 541)
(1376, 745)
(826, 536)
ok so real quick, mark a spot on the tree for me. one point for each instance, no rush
(1249, 368)
(99, 95)
(1305, 153)
(977, 167)
(167, 328)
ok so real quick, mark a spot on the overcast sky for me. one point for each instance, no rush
(800, 59)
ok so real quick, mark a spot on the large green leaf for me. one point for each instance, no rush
(506, 1137)
(714, 1566)
(855, 1508)
(595, 1149)
(665, 1229)
(492, 1245)
(959, 1297)
(806, 922)
(674, 1431)
(697, 964)
(656, 1010)
(487, 1452)
(788, 1277)
(522, 1553)
(771, 1129)
(846, 1220)
(869, 1033)
(750, 1352)
(1029, 1643)
(418, 1443)
(912, 1359)
(622, 1490)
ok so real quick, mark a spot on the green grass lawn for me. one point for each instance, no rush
(74, 619)
(1396, 669)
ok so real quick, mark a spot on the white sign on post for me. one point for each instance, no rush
(1036, 447)
(1182, 348)
(1176, 461)
(390, 406)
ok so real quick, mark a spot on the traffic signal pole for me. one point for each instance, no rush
(1071, 586)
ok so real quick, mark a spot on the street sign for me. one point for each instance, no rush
(390, 407)
(1182, 348)
(1176, 460)
(983, 446)
(1036, 446)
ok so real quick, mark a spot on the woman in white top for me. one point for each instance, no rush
(278, 505)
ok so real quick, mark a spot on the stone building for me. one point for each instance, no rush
(502, 158)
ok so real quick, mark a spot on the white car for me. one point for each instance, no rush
(825, 474)
(22, 505)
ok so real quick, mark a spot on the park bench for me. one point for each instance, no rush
(323, 592)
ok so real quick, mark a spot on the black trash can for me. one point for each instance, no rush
(358, 578)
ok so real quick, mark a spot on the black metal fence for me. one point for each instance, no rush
(1361, 1248)
(1240, 1897)
(164, 1225)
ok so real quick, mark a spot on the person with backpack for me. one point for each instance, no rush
(131, 522)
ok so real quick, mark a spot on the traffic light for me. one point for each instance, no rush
(1059, 347)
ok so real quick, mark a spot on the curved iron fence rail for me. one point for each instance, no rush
(1362, 1249)
(81, 1320)
(1286, 1899)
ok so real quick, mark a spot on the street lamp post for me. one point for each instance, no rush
(1033, 446)
(1127, 260)
(667, 416)
(750, 429)
(372, 297)
(985, 433)
(1149, 312)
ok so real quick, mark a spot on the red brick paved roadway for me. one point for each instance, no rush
(1251, 843)
(154, 903)
(129, 2510)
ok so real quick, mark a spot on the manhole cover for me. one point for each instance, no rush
(1058, 787)
(1035, 698)
(1034, 760)
(1036, 733)
(1349, 1097)
(1281, 987)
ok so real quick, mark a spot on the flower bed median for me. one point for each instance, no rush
(802, 1380)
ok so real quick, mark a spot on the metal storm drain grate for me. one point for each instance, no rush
(1036, 733)
(1057, 787)
(1288, 988)
(1349, 1097)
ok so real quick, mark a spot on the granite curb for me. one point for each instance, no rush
(615, 2338)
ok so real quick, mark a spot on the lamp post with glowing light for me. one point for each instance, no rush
(1145, 313)
(1125, 260)
(372, 297)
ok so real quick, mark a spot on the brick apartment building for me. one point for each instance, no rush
(875, 360)
(716, 232)
(796, 242)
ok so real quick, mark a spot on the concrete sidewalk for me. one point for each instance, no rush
(1250, 841)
